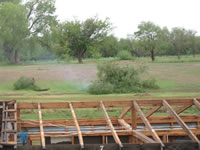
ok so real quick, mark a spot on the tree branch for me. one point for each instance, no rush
(31, 9)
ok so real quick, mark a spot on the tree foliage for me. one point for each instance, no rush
(75, 37)
(13, 29)
(20, 22)
(148, 35)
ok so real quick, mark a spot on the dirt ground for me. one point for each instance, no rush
(68, 72)
(181, 74)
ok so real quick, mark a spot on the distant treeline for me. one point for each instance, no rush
(31, 31)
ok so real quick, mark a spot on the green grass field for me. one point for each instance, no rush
(69, 82)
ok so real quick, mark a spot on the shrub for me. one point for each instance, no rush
(119, 79)
(124, 55)
(150, 84)
(114, 78)
(24, 83)
(100, 87)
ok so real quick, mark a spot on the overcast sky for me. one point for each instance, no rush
(127, 14)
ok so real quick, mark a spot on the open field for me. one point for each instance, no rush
(69, 82)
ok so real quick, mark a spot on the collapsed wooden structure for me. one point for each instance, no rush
(136, 127)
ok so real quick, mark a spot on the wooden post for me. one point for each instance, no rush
(133, 121)
(18, 120)
(41, 127)
(147, 124)
(80, 137)
(115, 136)
(137, 134)
(180, 122)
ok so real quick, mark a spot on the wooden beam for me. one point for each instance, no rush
(180, 122)
(133, 121)
(196, 102)
(77, 126)
(183, 108)
(153, 110)
(125, 112)
(115, 136)
(137, 134)
(41, 127)
(57, 105)
(147, 124)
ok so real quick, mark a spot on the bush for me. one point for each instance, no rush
(100, 87)
(116, 79)
(26, 83)
(124, 55)
(150, 84)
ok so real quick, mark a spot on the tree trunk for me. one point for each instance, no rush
(17, 58)
(152, 55)
(178, 55)
(194, 53)
(8, 53)
(80, 60)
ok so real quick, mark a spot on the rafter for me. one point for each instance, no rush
(126, 110)
(196, 102)
(180, 121)
(153, 110)
(115, 136)
(183, 108)
(137, 134)
(147, 124)
(41, 127)
(77, 126)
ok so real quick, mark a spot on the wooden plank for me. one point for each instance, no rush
(137, 134)
(180, 122)
(60, 105)
(196, 102)
(3, 124)
(183, 108)
(125, 112)
(41, 127)
(115, 136)
(77, 126)
(153, 110)
(147, 124)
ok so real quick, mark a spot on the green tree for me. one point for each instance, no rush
(178, 39)
(76, 36)
(40, 15)
(109, 46)
(13, 29)
(20, 22)
(191, 41)
(148, 35)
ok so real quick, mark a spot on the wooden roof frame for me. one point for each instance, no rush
(129, 125)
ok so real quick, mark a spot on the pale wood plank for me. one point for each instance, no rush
(41, 127)
(115, 136)
(147, 124)
(77, 125)
(196, 102)
(137, 134)
(180, 121)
